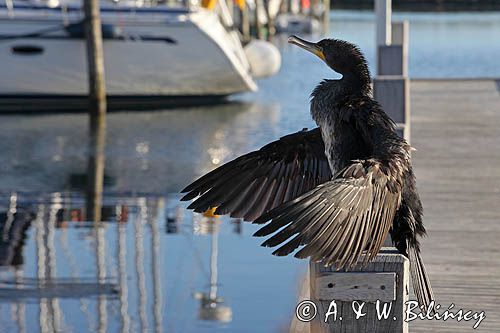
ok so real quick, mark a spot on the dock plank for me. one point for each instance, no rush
(455, 129)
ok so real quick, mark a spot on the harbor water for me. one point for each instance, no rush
(153, 266)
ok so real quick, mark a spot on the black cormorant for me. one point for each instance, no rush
(335, 191)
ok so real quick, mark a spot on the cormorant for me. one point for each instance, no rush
(335, 191)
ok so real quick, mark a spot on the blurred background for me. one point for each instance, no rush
(192, 85)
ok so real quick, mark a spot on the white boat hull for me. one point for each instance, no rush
(186, 56)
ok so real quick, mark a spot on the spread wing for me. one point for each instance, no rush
(339, 220)
(264, 179)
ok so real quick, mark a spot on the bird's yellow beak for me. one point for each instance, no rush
(308, 46)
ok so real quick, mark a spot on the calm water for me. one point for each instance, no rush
(442, 45)
(58, 273)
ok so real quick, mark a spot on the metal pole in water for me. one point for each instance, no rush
(97, 108)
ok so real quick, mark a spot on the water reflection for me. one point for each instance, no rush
(13, 227)
(48, 152)
(212, 307)
(95, 167)
(112, 270)
(148, 264)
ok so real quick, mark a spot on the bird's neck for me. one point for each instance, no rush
(351, 84)
(356, 83)
(330, 92)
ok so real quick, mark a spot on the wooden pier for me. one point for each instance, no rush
(455, 129)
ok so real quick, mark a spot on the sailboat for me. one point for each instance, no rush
(153, 54)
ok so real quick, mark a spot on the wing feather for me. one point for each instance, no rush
(262, 180)
(339, 221)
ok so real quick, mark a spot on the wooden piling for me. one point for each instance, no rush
(97, 108)
(391, 86)
(271, 26)
(383, 12)
(393, 93)
(259, 33)
(95, 169)
(95, 58)
(339, 295)
(393, 59)
(326, 16)
(245, 24)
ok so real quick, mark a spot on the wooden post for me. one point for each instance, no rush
(97, 108)
(383, 10)
(258, 25)
(393, 59)
(245, 24)
(399, 33)
(384, 281)
(95, 170)
(391, 87)
(393, 93)
(271, 30)
(401, 37)
(326, 16)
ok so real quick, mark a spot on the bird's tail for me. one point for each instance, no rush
(421, 284)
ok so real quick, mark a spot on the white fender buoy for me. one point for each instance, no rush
(264, 58)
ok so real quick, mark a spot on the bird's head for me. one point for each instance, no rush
(343, 57)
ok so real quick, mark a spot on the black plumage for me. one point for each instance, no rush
(262, 180)
(336, 191)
